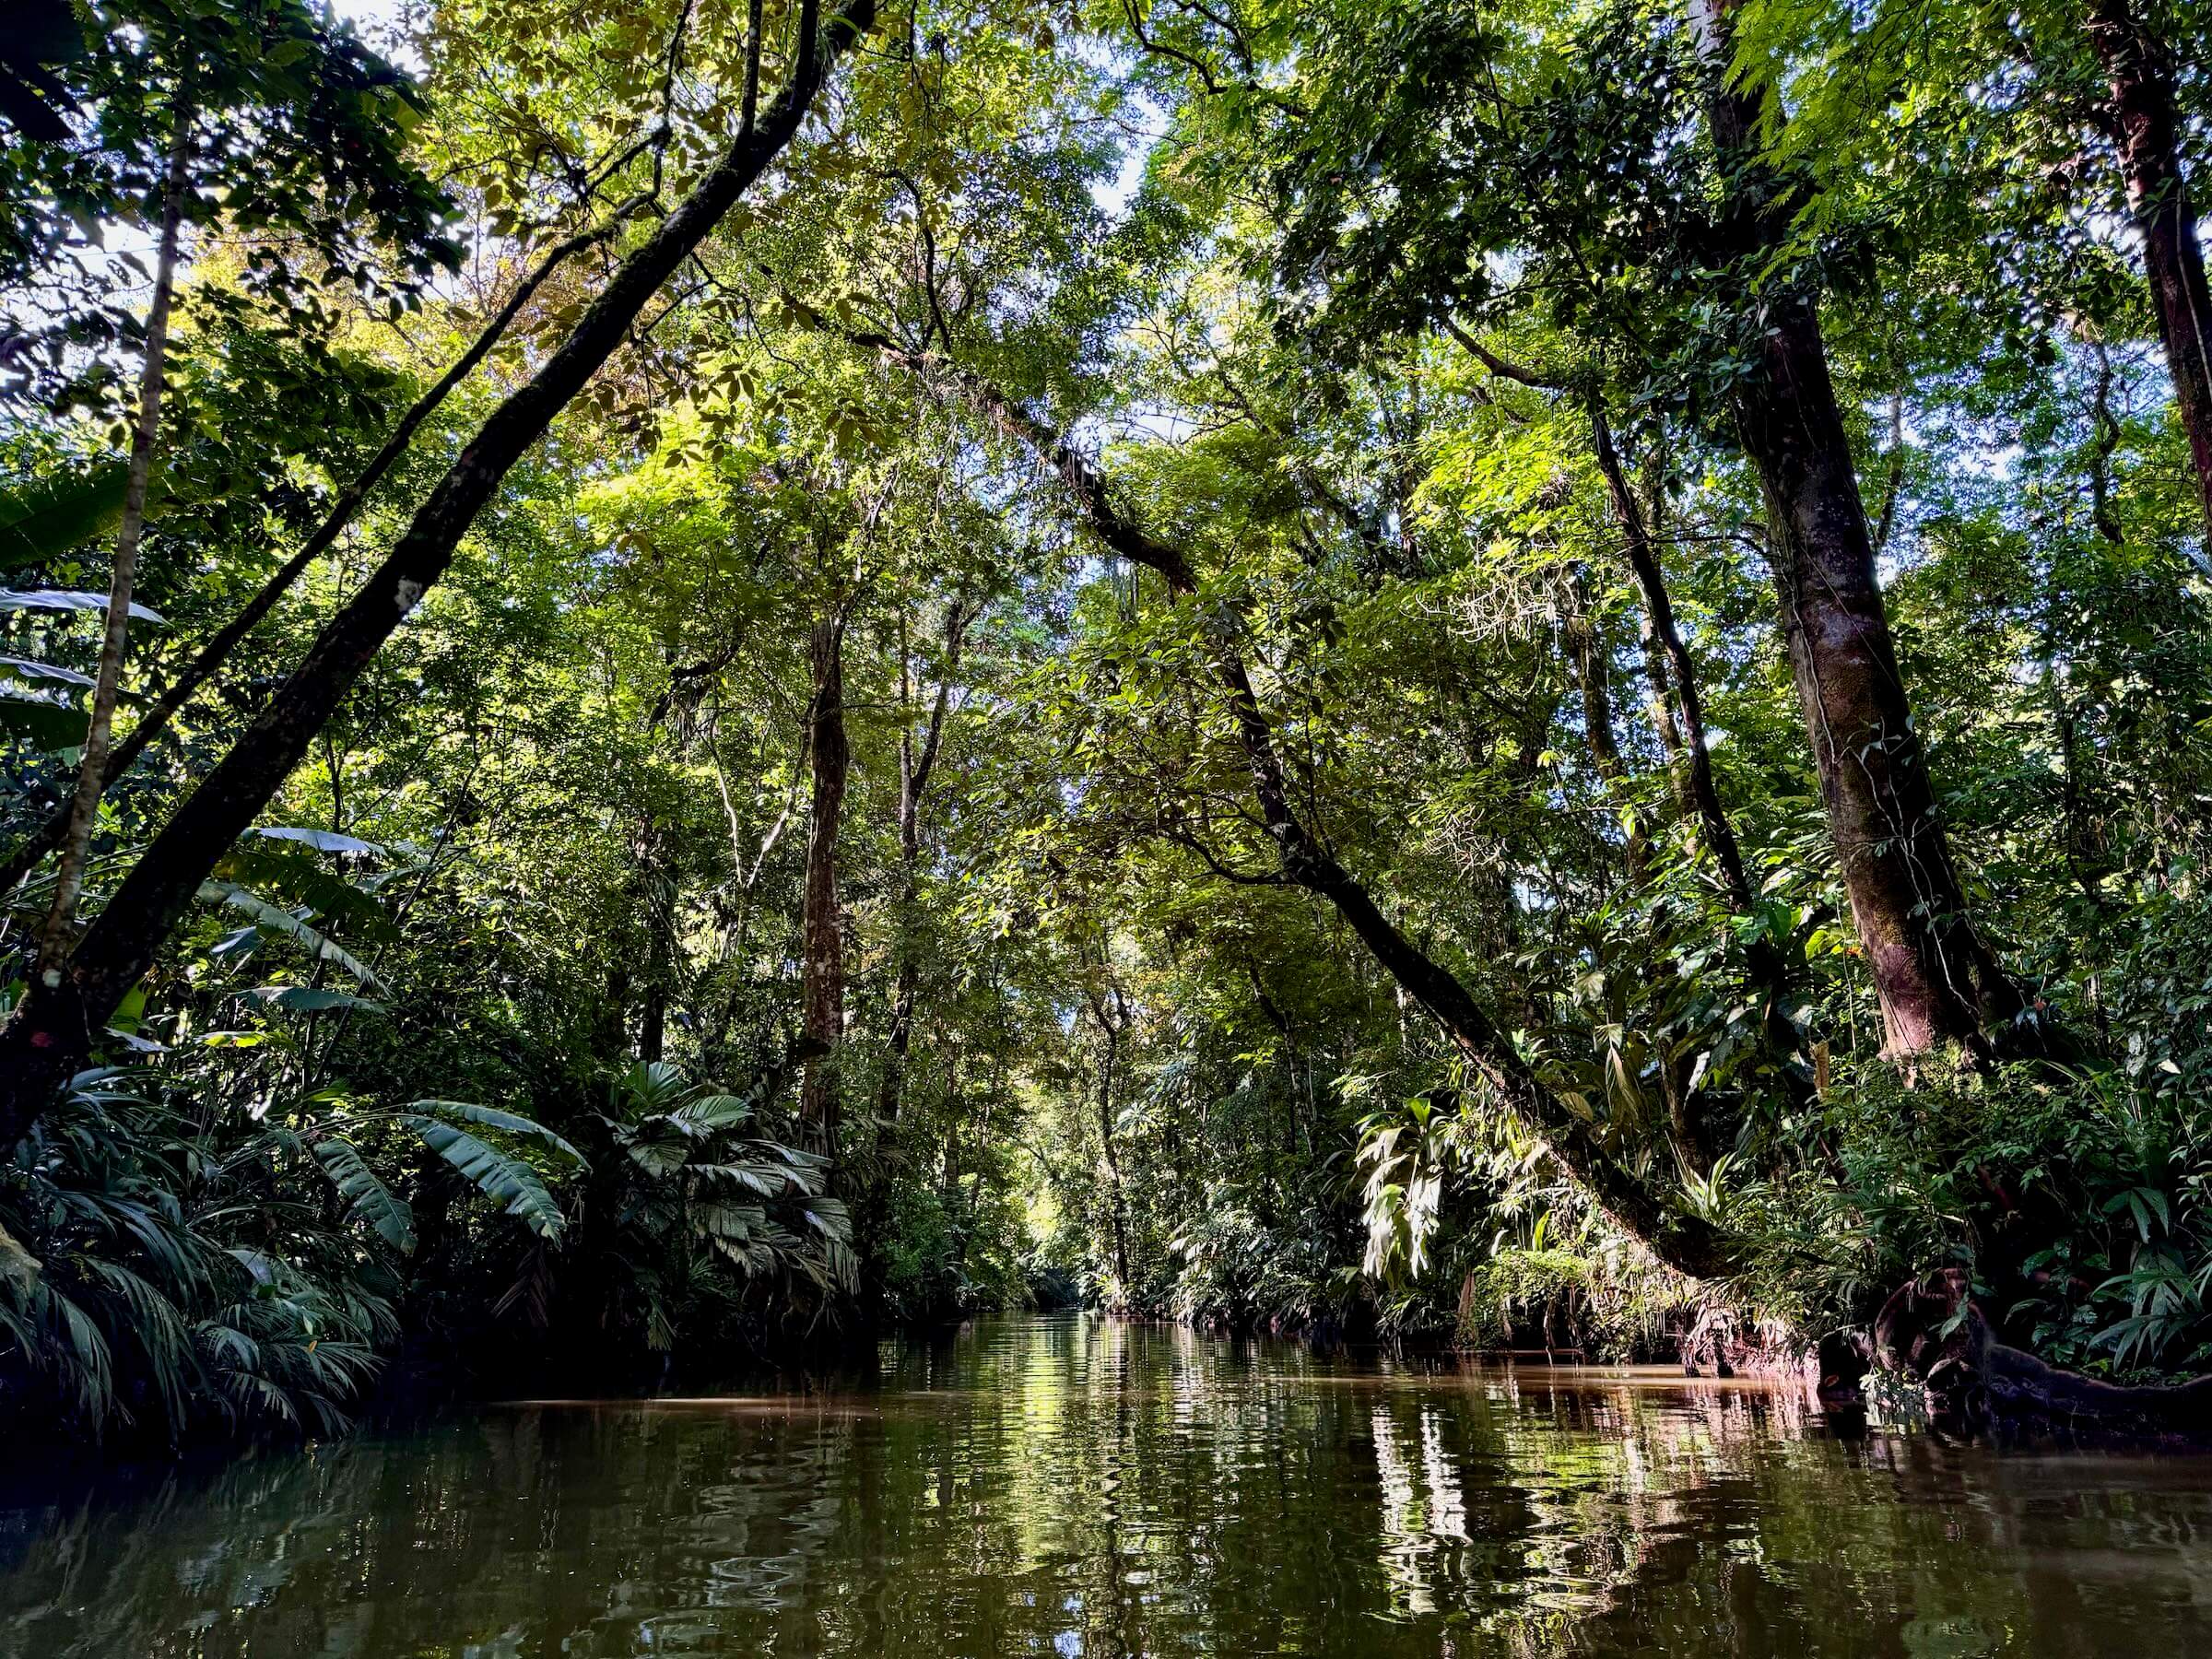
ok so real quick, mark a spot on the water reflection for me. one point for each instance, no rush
(1069, 1487)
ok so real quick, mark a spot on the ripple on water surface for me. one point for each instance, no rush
(1076, 1488)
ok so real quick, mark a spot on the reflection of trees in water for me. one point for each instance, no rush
(604, 1531)
(1117, 1490)
(1523, 1512)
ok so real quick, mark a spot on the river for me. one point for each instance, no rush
(1067, 1486)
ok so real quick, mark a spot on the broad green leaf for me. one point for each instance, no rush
(43, 674)
(658, 1157)
(47, 517)
(45, 725)
(69, 599)
(311, 999)
(322, 841)
(295, 879)
(500, 1176)
(711, 1111)
(647, 1088)
(492, 1117)
(271, 919)
(367, 1198)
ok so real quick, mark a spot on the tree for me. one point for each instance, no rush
(52, 1030)
(2145, 127)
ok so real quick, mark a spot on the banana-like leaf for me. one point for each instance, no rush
(271, 919)
(47, 517)
(46, 725)
(492, 1117)
(311, 999)
(500, 1176)
(367, 1197)
(299, 878)
(71, 599)
(42, 675)
(322, 841)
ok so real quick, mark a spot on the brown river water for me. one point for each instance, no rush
(1065, 1486)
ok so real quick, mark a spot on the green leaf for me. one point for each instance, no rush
(767, 1180)
(658, 1158)
(311, 999)
(270, 919)
(711, 1111)
(512, 1122)
(322, 841)
(45, 725)
(295, 879)
(37, 674)
(46, 518)
(367, 1198)
(69, 599)
(500, 1176)
(647, 1088)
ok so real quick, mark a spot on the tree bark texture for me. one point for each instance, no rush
(1938, 982)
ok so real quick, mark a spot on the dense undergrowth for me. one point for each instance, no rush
(1103, 671)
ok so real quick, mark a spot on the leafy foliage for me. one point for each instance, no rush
(1131, 395)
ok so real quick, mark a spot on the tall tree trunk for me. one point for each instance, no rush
(1593, 661)
(660, 962)
(916, 763)
(52, 1030)
(57, 935)
(1685, 743)
(2147, 127)
(1112, 1016)
(1938, 982)
(822, 969)
(1683, 1241)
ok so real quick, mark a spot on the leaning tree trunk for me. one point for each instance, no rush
(154, 719)
(83, 811)
(53, 1029)
(823, 968)
(1674, 673)
(1688, 752)
(2147, 127)
(1684, 1242)
(1938, 982)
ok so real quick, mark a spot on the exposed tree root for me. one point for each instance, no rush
(1931, 1331)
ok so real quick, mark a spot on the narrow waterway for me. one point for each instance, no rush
(1071, 1487)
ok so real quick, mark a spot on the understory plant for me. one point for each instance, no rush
(165, 1268)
